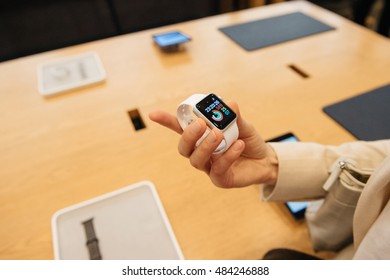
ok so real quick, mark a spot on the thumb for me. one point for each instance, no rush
(245, 128)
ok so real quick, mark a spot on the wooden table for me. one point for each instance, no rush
(61, 150)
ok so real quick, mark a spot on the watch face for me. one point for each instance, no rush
(216, 111)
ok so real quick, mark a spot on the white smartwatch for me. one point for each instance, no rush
(214, 112)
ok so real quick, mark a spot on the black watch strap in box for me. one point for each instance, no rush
(92, 241)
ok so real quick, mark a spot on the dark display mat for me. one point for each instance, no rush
(366, 116)
(271, 31)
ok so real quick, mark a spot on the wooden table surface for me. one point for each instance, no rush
(64, 149)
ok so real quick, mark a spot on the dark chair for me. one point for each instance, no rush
(28, 27)
(139, 15)
(287, 254)
(362, 8)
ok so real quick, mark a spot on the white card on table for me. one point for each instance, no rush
(70, 73)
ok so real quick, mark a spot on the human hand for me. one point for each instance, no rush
(248, 161)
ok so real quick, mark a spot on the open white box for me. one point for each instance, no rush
(129, 223)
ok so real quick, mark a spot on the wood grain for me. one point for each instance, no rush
(61, 150)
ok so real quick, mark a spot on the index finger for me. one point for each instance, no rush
(166, 119)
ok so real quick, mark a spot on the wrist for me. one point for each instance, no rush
(272, 164)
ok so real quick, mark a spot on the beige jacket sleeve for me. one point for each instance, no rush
(304, 167)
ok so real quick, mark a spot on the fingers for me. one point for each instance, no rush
(222, 164)
(201, 156)
(190, 135)
(170, 121)
(166, 119)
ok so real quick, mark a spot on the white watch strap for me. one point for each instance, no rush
(185, 112)
(231, 135)
(185, 115)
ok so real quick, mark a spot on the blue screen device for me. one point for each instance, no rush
(296, 208)
(170, 39)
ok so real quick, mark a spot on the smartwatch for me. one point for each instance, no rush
(214, 112)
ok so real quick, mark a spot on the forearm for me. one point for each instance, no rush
(304, 167)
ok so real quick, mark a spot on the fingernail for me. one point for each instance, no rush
(237, 145)
(195, 127)
(211, 138)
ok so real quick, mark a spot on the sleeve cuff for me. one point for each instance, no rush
(301, 174)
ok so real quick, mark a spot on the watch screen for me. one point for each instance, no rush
(216, 111)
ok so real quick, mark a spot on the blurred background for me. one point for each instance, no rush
(29, 27)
